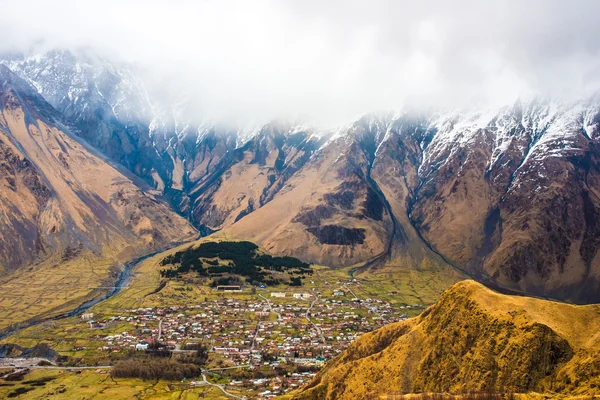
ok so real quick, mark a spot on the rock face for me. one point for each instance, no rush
(251, 175)
(510, 196)
(512, 199)
(472, 340)
(58, 196)
(329, 212)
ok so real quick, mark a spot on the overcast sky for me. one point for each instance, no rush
(329, 60)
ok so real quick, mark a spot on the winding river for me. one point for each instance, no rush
(122, 281)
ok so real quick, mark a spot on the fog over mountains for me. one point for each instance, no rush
(470, 142)
(329, 63)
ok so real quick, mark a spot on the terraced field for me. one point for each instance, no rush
(53, 287)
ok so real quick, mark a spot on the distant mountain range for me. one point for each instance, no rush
(508, 196)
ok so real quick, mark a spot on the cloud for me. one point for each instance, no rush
(329, 60)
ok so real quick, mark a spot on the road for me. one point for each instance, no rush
(225, 392)
(253, 342)
(73, 368)
(350, 290)
(279, 318)
(178, 350)
(224, 368)
(312, 323)
(32, 363)
(159, 330)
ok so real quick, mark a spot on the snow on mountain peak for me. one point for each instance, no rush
(79, 85)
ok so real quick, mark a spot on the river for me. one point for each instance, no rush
(122, 281)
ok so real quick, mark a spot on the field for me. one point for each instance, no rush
(407, 290)
(532, 345)
(397, 285)
(92, 384)
(52, 287)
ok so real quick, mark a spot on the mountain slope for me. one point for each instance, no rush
(511, 197)
(508, 195)
(60, 201)
(251, 175)
(329, 212)
(473, 339)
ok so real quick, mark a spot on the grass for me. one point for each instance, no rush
(578, 324)
(473, 340)
(41, 291)
(51, 288)
(405, 286)
(399, 286)
(93, 385)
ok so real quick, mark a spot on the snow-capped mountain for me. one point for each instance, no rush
(509, 195)
(73, 84)
(59, 195)
(111, 107)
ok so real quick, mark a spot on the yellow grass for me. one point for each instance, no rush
(580, 325)
(52, 288)
(91, 385)
(477, 340)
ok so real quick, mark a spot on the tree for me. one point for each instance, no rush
(296, 281)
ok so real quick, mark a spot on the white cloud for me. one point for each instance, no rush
(328, 60)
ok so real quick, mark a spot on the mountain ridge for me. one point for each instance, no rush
(471, 340)
(453, 186)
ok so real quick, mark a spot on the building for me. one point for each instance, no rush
(339, 293)
(229, 288)
(277, 294)
(262, 314)
(141, 346)
(87, 316)
(307, 361)
(303, 296)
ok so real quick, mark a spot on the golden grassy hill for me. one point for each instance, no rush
(473, 339)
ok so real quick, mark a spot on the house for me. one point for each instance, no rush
(277, 294)
(262, 314)
(87, 316)
(141, 346)
(303, 296)
(229, 288)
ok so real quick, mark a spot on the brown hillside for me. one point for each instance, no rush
(326, 213)
(62, 204)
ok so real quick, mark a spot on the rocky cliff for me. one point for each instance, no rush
(57, 195)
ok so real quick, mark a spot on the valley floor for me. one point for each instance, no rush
(98, 384)
(288, 334)
(51, 288)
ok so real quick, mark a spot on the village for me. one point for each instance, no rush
(266, 344)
